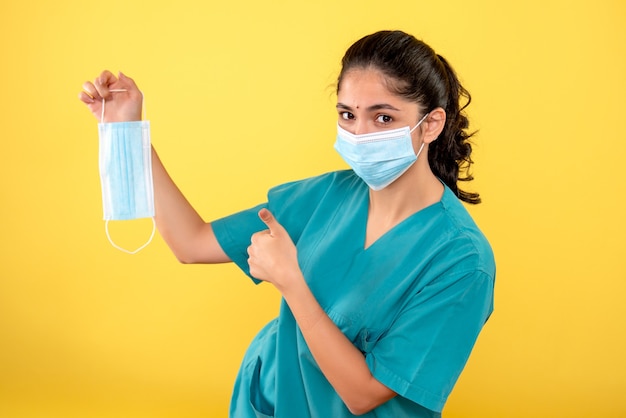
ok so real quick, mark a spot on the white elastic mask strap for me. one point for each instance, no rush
(420, 122)
(415, 127)
(106, 227)
(420, 150)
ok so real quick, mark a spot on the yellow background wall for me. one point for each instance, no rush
(239, 94)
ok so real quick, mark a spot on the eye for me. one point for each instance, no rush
(346, 115)
(384, 119)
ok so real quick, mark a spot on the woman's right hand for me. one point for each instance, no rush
(121, 106)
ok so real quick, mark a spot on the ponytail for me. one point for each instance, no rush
(450, 154)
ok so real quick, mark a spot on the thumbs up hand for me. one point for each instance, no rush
(272, 255)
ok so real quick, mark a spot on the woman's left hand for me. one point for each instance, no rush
(272, 255)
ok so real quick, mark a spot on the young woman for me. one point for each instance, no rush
(386, 280)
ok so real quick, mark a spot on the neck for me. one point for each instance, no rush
(416, 189)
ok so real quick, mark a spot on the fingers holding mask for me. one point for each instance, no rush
(121, 91)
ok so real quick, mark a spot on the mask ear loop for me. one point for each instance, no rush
(106, 228)
(414, 128)
(106, 224)
(420, 122)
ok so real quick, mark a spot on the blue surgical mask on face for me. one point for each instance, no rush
(126, 173)
(378, 158)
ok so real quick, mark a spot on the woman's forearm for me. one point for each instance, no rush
(183, 229)
(341, 362)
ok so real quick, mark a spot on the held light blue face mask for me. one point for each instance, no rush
(378, 158)
(126, 173)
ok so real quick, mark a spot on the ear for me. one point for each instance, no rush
(433, 125)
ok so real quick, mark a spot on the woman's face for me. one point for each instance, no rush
(365, 104)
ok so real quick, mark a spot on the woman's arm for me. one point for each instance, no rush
(190, 238)
(341, 362)
(273, 258)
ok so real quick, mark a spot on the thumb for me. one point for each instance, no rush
(269, 220)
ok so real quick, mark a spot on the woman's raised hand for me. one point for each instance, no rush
(123, 98)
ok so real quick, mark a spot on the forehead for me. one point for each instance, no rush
(361, 87)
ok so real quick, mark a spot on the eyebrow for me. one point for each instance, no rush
(370, 108)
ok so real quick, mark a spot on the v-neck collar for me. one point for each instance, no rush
(364, 213)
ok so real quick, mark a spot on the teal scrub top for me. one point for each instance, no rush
(413, 302)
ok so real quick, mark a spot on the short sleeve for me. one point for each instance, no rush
(233, 233)
(426, 348)
(291, 203)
